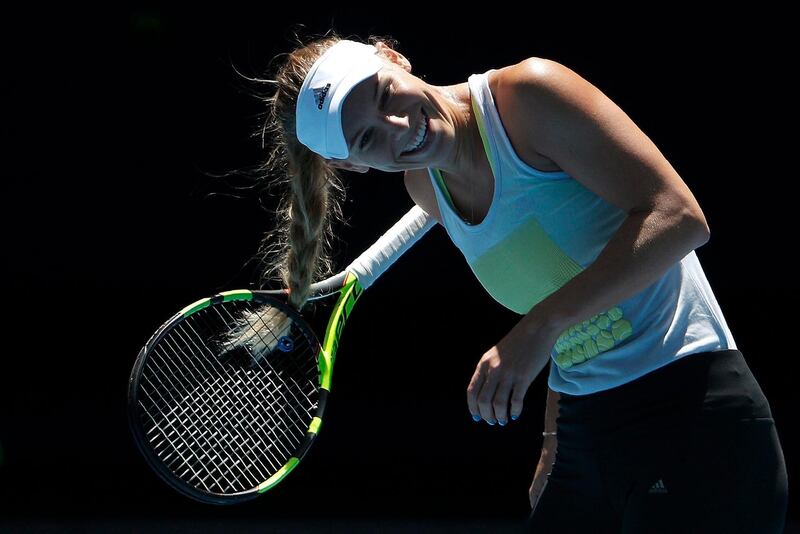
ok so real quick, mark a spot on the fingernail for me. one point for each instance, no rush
(491, 421)
(476, 418)
(502, 422)
(514, 417)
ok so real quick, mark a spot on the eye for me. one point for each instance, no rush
(384, 99)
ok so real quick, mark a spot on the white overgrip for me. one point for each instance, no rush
(391, 245)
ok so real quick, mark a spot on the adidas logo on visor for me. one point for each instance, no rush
(658, 487)
(320, 94)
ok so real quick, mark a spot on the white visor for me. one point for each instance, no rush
(328, 82)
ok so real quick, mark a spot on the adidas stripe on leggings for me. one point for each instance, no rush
(689, 447)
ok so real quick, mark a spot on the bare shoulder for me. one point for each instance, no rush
(419, 187)
(532, 75)
(563, 116)
(513, 87)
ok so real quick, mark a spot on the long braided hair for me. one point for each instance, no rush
(298, 247)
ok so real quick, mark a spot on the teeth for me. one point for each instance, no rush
(418, 139)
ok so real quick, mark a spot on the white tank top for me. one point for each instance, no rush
(542, 229)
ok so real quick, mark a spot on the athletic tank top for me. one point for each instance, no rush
(543, 228)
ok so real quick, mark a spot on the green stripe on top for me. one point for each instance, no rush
(526, 265)
(484, 136)
(524, 268)
(443, 187)
(486, 149)
(515, 258)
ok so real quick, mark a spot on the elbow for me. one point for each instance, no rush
(700, 227)
(703, 239)
(685, 218)
(706, 234)
(689, 217)
(690, 223)
(705, 231)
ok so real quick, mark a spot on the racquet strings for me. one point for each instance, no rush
(227, 395)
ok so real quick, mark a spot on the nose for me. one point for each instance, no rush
(398, 130)
(398, 121)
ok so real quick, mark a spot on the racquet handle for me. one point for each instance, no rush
(391, 245)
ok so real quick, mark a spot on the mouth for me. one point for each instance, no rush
(420, 140)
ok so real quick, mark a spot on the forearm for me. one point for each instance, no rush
(644, 247)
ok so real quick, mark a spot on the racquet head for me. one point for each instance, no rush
(227, 396)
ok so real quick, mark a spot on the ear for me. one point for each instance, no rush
(344, 164)
(392, 55)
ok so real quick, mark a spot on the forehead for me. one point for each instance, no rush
(355, 104)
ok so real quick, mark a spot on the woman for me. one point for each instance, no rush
(569, 215)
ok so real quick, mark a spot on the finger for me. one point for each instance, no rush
(500, 403)
(486, 398)
(472, 392)
(517, 398)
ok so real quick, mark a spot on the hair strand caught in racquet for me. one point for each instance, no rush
(227, 396)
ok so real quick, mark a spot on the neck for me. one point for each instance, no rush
(467, 157)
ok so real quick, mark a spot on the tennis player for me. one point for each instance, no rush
(569, 215)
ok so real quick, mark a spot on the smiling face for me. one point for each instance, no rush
(394, 121)
(385, 116)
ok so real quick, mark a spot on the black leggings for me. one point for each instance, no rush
(689, 447)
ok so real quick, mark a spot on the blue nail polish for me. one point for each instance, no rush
(502, 422)
(491, 421)
(476, 418)
(514, 417)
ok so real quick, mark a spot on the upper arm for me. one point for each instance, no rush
(571, 122)
(420, 189)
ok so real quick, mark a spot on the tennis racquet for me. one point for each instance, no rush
(227, 396)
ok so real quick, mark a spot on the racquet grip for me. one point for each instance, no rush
(391, 245)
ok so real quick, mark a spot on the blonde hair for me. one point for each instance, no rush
(298, 247)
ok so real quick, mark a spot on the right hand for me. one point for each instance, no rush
(546, 460)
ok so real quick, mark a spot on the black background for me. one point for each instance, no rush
(112, 123)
